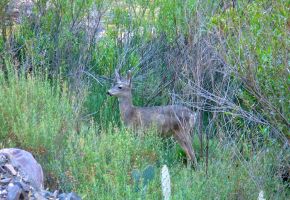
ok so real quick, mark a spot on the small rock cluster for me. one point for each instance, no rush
(22, 178)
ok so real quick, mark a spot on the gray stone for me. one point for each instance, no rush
(14, 192)
(26, 163)
(11, 169)
(5, 181)
(21, 177)
(69, 196)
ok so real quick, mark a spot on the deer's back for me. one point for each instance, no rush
(165, 118)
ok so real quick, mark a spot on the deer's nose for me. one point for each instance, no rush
(108, 93)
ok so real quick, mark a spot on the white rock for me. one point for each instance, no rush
(165, 183)
(261, 195)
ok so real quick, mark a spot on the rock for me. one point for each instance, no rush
(11, 169)
(69, 196)
(38, 196)
(14, 192)
(46, 194)
(3, 192)
(55, 193)
(73, 196)
(21, 177)
(3, 159)
(5, 181)
(24, 186)
(26, 163)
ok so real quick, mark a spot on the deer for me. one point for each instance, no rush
(170, 120)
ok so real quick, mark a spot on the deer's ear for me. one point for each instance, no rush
(117, 75)
(129, 76)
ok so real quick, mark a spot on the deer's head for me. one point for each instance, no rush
(122, 88)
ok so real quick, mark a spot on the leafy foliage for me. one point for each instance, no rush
(260, 58)
(56, 65)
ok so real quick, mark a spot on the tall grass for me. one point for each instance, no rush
(34, 113)
(75, 132)
(97, 161)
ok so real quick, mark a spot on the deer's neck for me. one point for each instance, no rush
(126, 109)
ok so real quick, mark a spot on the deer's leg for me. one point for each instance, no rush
(186, 144)
(189, 136)
(191, 152)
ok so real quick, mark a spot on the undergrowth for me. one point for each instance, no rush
(97, 162)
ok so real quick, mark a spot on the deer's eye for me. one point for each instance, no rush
(120, 87)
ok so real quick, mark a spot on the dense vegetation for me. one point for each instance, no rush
(227, 60)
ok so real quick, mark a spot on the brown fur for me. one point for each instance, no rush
(169, 120)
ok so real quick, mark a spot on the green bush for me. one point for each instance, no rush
(34, 113)
(256, 38)
(77, 135)
(37, 115)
